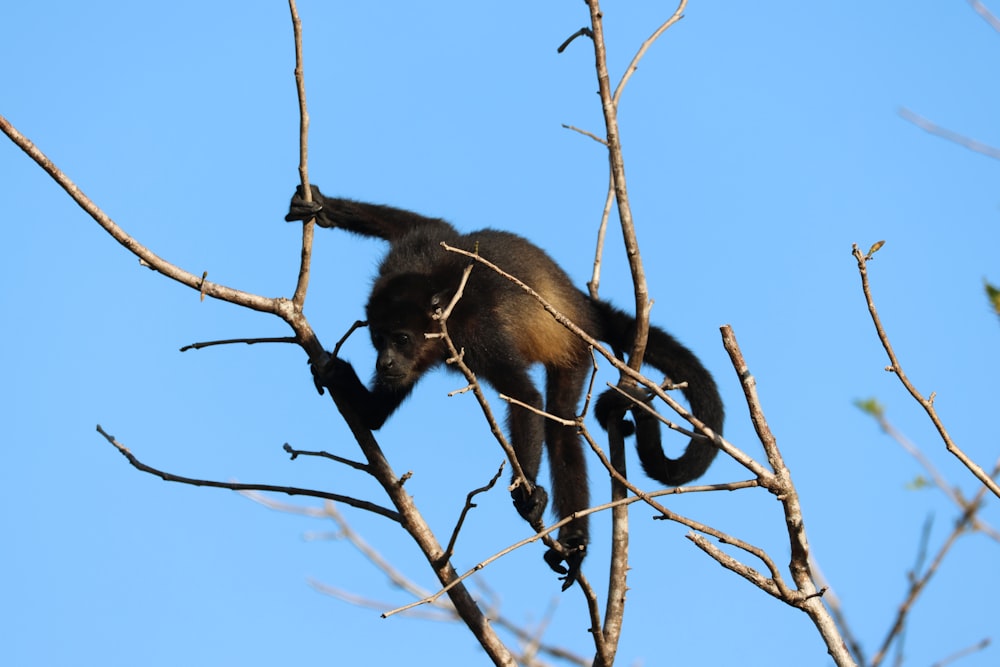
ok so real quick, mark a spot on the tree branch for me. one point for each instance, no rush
(237, 486)
(926, 403)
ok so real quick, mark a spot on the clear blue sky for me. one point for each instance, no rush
(761, 142)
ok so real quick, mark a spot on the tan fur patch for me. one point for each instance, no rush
(539, 336)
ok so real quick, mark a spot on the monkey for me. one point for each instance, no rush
(502, 332)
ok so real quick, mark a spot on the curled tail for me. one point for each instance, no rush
(679, 364)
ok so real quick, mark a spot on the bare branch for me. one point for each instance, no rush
(780, 484)
(600, 140)
(594, 284)
(146, 256)
(634, 65)
(954, 137)
(456, 361)
(617, 169)
(234, 341)
(741, 457)
(295, 453)
(981, 645)
(584, 31)
(952, 492)
(986, 14)
(919, 582)
(343, 339)
(926, 403)
(235, 486)
(446, 611)
(450, 549)
(837, 611)
(309, 226)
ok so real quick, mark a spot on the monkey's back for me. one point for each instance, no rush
(534, 332)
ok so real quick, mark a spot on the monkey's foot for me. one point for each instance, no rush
(574, 549)
(531, 508)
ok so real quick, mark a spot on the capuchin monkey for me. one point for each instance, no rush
(503, 331)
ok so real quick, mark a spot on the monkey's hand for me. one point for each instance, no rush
(613, 405)
(373, 407)
(531, 508)
(300, 209)
(337, 375)
(574, 549)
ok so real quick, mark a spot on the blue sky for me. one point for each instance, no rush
(761, 141)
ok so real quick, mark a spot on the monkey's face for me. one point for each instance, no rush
(400, 312)
(397, 351)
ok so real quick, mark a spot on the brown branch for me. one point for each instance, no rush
(591, 510)
(678, 14)
(398, 579)
(669, 515)
(146, 256)
(423, 536)
(295, 453)
(309, 226)
(234, 341)
(236, 486)
(343, 339)
(837, 611)
(779, 483)
(617, 168)
(287, 310)
(455, 360)
(896, 367)
(469, 505)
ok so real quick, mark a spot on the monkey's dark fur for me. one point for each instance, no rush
(503, 332)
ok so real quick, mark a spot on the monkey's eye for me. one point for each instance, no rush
(378, 341)
(400, 339)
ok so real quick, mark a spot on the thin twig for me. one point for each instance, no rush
(147, 257)
(295, 453)
(896, 367)
(919, 583)
(445, 608)
(954, 137)
(952, 492)
(456, 360)
(807, 596)
(622, 367)
(234, 341)
(981, 645)
(634, 65)
(584, 31)
(343, 339)
(235, 486)
(469, 505)
(309, 226)
(986, 14)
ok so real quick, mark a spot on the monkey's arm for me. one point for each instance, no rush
(373, 406)
(384, 222)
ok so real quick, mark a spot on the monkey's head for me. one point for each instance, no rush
(400, 312)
